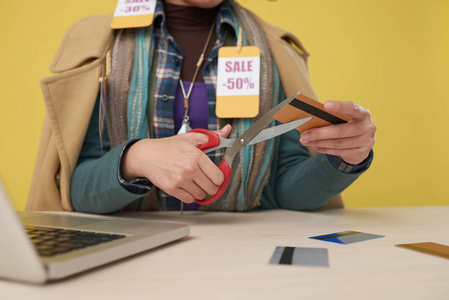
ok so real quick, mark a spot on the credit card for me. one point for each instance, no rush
(428, 248)
(312, 257)
(346, 237)
(304, 107)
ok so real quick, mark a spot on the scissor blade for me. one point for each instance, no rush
(224, 143)
(255, 129)
(264, 135)
(274, 131)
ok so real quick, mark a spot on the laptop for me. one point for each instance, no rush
(40, 247)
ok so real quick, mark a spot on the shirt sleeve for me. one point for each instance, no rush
(139, 185)
(339, 164)
(97, 185)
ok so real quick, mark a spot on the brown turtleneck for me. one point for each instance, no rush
(190, 27)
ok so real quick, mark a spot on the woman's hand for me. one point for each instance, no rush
(175, 165)
(350, 141)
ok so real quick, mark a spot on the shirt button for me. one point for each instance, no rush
(165, 98)
(176, 61)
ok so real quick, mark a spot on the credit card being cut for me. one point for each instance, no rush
(304, 107)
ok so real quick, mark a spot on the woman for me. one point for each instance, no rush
(140, 162)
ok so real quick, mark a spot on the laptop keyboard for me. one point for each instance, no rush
(52, 241)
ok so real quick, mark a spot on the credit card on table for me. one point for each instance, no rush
(301, 256)
(346, 237)
(428, 248)
(304, 107)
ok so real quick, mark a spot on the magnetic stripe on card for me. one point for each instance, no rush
(316, 112)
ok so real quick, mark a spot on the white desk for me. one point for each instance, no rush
(227, 254)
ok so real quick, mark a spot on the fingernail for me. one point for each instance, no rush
(304, 136)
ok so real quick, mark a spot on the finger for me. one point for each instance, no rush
(337, 131)
(211, 171)
(193, 189)
(183, 195)
(195, 138)
(349, 108)
(205, 183)
(343, 143)
(182, 187)
(225, 131)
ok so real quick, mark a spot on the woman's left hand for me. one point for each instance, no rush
(351, 141)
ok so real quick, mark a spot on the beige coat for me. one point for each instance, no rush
(70, 97)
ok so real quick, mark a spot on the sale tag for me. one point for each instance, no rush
(133, 13)
(238, 82)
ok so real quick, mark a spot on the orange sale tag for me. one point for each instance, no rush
(238, 82)
(133, 13)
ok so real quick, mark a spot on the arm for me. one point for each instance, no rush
(307, 183)
(96, 185)
(299, 181)
(105, 181)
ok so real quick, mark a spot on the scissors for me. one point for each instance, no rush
(253, 135)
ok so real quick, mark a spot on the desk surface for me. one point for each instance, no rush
(227, 254)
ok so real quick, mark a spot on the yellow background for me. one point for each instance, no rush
(390, 56)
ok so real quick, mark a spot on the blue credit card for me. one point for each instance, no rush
(347, 237)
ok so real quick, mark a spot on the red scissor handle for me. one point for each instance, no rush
(227, 171)
(214, 140)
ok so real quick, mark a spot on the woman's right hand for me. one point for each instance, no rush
(175, 165)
